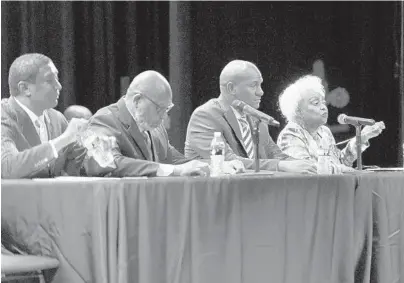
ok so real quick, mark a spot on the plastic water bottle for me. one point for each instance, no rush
(96, 148)
(324, 162)
(217, 154)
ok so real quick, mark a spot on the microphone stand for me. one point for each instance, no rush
(256, 137)
(359, 147)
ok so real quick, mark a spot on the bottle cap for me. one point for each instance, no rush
(217, 134)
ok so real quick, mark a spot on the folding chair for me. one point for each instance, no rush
(13, 267)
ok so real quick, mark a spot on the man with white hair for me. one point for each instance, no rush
(142, 147)
(36, 140)
(303, 105)
(238, 80)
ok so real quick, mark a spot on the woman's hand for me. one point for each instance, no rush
(369, 132)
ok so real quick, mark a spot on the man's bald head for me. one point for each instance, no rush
(148, 99)
(237, 71)
(77, 111)
(152, 85)
(241, 80)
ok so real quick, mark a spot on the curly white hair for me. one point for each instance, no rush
(290, 98)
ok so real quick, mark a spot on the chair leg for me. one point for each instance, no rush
(41, 278)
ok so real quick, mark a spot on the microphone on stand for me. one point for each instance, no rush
(261, 117)
(355, 121)
(247, 109)
(358, 123)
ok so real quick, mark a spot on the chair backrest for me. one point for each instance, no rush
(26, 263)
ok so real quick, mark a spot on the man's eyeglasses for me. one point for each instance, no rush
(160, 109)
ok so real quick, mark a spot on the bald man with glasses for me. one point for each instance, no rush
(142, 147)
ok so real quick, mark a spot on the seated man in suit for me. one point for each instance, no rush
(238, 80)
(36, 140)
(77, 111)
(136, 122)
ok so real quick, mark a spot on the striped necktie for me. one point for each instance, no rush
(247, 137)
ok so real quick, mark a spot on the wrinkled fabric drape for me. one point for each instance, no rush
(189, 230)
(356, 41)
(92, 44)
(43, 27)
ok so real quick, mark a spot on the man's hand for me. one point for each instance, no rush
(74, 127)
(346, 169)
(369, 132)
(70, 135)
(233, 167)
(298, 166)
(192, 168)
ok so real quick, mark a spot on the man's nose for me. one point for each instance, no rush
(260, 92)
(58, 86)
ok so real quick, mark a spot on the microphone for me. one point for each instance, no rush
(355, 121)
(247, 109)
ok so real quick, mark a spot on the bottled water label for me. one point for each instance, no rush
(218, 150)
(217, 154)
(216, 163)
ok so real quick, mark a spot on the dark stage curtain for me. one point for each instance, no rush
(355, 40)
(93, 44)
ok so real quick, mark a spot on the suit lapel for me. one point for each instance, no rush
(126, 118)
(26, 125)
(233, 123)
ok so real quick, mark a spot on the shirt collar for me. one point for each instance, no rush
(30, 114)
(238, 114)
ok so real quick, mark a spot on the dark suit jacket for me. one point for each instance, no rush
(23, 155)
(211, 117)
(130, 154)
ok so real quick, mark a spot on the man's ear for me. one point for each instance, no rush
(136, 98)
(230, 88)
(23, 88)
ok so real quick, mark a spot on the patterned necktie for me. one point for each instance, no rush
(41, 129)
(247, 137)
(148, 143)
